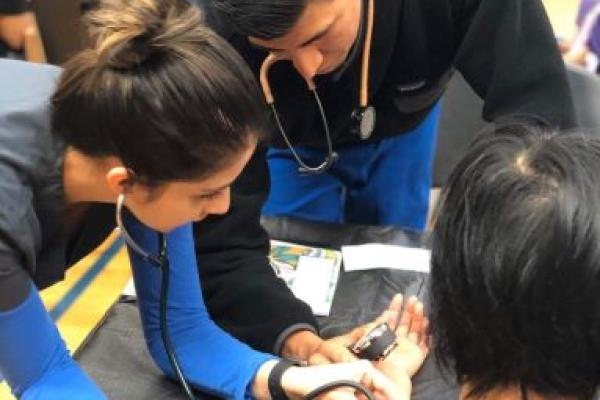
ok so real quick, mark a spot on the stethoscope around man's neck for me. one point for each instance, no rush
(363, 118)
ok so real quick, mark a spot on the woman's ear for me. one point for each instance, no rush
(119, 179)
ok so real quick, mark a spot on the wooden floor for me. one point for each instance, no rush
(80, 302)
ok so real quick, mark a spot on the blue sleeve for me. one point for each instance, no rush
(34, 359)
(211, 360)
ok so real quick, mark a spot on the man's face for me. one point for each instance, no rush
(321, 39)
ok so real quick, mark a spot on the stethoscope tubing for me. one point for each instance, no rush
(161, 261)
(128, 239)
(331, 155)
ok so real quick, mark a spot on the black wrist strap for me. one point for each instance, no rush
(274, 382)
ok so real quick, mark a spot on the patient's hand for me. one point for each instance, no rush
(400, 365)
(411, 335)
(412, 338)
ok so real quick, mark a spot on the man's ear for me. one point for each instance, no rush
(119, 179)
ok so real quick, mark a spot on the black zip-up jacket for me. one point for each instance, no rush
(505, 49)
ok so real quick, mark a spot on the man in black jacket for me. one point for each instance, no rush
(504, 48)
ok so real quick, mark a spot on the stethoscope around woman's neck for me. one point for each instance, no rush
(156, 259)
(161, 261)
(363, 118)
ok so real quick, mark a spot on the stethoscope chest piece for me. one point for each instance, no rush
(363, 122)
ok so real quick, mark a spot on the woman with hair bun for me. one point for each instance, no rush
(161, 114)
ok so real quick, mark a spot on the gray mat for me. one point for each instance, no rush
(117, 358)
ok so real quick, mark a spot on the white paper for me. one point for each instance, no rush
(374, 255)
(314, 283)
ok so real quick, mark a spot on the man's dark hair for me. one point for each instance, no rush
(159, 90)
(263, 19)
(515, 278)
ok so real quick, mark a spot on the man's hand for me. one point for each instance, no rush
(307, 346)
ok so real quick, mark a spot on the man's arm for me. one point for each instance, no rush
(508, 54)
(243, 294)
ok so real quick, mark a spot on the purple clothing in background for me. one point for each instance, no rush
(593, 42)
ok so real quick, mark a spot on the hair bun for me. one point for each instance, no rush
(127, 33)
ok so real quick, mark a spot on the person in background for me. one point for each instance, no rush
(584, 48)
(515, 270)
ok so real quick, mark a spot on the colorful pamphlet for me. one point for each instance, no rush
(310, 272)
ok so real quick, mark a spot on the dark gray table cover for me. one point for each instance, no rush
(117, 359)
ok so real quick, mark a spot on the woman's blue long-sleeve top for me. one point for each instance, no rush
(35, 362)
(210, 358)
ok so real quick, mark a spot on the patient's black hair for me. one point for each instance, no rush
(515, 273)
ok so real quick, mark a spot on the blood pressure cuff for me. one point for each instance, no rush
(211, 359)
(34, 359)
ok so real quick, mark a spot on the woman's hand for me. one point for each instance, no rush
(299, 381)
